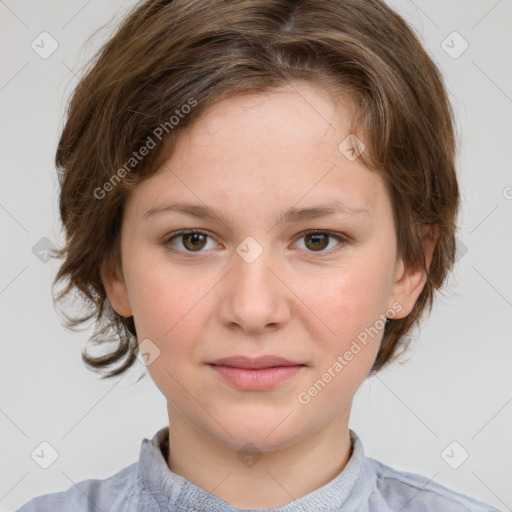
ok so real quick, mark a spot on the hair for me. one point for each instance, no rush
(168, 61)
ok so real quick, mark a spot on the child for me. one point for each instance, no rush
(306, 150)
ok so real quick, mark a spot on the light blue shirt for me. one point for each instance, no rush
(364, 485)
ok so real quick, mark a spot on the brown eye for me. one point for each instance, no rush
(188, 241)
(194, 241)
(317, 241)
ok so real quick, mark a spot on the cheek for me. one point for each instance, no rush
(347, 299)
(169, 311)
(343, 313)
(163, 300)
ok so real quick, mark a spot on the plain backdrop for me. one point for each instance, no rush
(452, 396)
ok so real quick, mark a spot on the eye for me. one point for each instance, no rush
(316, 240)
(194, 240)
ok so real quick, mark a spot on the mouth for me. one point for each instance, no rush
(255, 374)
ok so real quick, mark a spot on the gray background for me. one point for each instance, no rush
(455, 385)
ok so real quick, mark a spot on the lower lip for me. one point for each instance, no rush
(256, 379)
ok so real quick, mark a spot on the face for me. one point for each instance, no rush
(254, 280)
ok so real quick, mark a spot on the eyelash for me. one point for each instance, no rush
(342, 239)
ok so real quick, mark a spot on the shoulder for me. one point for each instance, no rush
(408, 492)
(87, 495)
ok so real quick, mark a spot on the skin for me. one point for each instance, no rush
(251, 156)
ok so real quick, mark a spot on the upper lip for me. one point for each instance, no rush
(255, 362)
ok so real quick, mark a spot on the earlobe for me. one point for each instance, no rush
(410, 281)
(116, 291)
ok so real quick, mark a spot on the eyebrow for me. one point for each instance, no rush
(289, 215)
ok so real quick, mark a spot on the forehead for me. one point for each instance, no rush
(273, 149)
(267, 123)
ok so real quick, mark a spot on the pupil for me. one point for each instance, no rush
(194, 240)
(317, 240)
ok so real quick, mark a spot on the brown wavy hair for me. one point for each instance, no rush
(167, 54)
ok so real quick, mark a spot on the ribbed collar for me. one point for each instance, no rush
(347, 491)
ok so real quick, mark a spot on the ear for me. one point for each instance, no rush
(409, 282)
(116, 289)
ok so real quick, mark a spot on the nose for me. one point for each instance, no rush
(255, 297)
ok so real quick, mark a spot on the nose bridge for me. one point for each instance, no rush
(254, 296)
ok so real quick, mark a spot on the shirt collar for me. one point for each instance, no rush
(350, 489)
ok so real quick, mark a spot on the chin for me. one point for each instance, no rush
(267, 432)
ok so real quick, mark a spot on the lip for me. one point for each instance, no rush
(255, 374)
(269, 361)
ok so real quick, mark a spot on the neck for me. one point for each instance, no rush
(253, 479)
